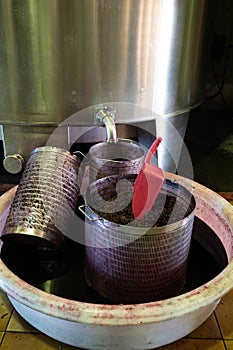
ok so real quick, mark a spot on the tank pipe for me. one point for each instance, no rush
(106, 115)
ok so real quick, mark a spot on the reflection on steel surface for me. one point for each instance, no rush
(58, 57)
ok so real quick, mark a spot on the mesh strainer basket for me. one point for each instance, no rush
(46, 197)
(136, 261)
(122, 157)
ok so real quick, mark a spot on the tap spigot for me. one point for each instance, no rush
(106, 115)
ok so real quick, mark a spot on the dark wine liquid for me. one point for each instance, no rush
(62, 273)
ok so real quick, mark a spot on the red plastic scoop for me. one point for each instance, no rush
(147, 184)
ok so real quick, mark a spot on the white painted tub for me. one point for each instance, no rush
(141, 326)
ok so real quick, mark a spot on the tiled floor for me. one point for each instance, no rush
(215, 334)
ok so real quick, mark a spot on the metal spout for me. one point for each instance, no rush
(106, 115)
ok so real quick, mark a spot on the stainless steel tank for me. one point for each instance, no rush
(59, 57)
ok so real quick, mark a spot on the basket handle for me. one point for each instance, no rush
(96, 218)
(84, 156)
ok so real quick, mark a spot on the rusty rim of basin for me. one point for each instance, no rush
(214, 210)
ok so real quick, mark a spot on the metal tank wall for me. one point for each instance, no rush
(58, 57)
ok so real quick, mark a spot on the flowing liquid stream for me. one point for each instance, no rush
(61, 272)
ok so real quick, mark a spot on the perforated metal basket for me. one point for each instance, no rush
(46, 197)
(136, 262)
(122, 157)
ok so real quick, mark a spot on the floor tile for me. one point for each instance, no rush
(197, 344)
(18, 324)
(209, 329)
(225, 315)
(5, 311)
(229, 344)
(1, 336)
(26, 341)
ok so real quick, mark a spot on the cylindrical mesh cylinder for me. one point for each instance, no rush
(122, 157)
(45, 199)
(128, 264)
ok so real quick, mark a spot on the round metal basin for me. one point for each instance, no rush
(131, 326)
